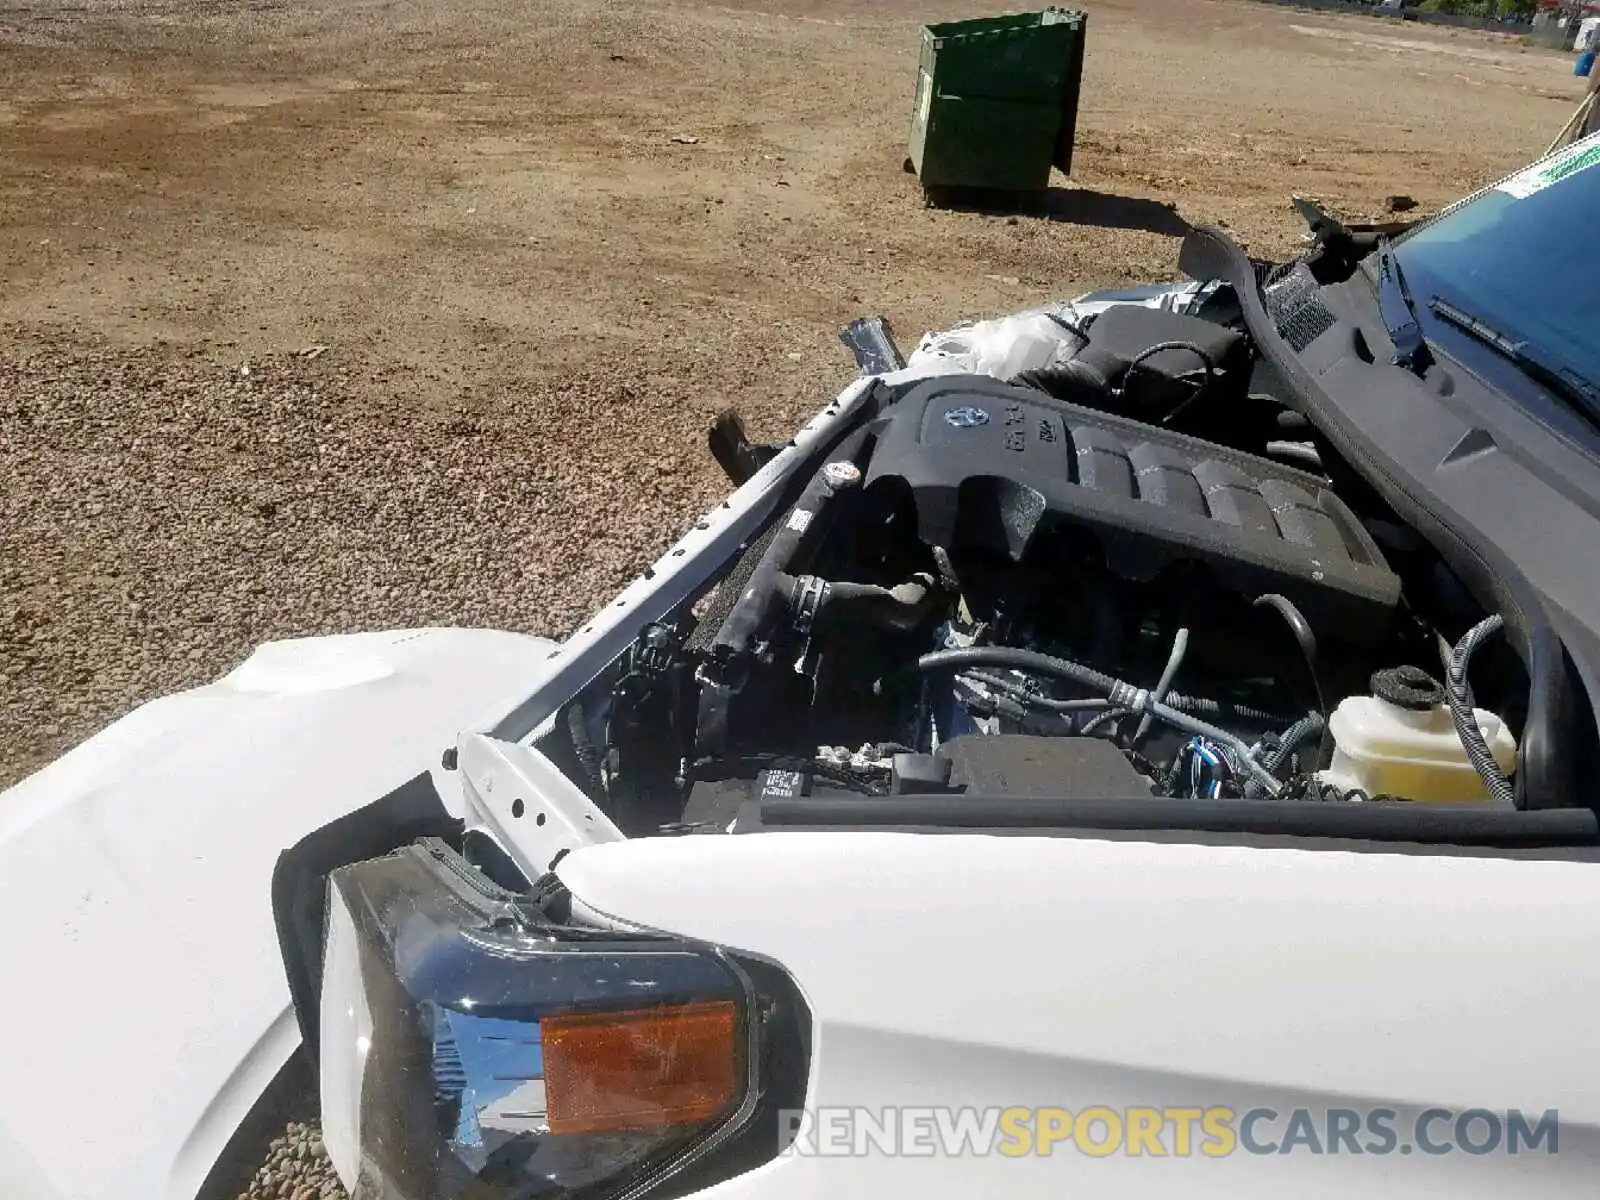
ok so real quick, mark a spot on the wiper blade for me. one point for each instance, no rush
(1573, 387)
(1400, 313)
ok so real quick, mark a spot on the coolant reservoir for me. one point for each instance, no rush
(1401, 741)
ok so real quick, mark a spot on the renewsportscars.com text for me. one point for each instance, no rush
(1163, 1132)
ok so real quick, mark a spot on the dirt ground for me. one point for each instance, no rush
(574, 230)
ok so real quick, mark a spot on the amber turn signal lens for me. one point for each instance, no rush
(641, 1068)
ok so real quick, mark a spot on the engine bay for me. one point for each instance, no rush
(1133, 574)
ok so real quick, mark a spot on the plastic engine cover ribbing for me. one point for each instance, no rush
(993, 467)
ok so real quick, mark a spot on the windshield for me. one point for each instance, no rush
(1523, 257)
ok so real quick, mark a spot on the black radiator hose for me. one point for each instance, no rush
(819, 603)
(761, 604)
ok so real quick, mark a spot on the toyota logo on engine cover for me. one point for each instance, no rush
(966, 417)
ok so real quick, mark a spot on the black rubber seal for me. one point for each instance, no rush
(1373, 820)
(1410, 688)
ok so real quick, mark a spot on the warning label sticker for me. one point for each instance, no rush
(780, 785)
(1579, 156)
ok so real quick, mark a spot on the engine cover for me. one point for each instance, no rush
(991, 466)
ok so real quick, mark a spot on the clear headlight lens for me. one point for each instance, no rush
(472, 1048)
(347, 1023)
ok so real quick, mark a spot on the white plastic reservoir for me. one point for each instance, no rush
(1402, 742)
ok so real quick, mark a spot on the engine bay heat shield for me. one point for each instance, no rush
(993, 468)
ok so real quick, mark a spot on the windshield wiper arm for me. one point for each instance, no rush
(1399, 313)
(1563, 380)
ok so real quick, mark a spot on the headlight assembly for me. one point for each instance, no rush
(471, 1047)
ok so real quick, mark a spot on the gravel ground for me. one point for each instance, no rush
(160, 519)
(296, 1168)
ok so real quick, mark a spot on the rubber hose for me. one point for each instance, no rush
(1180, 647)
(1092, 727)
(1022, 696)
(1461, 710)
(902, 607)
(1306, 638)
(1138, 360)
(1032, 661)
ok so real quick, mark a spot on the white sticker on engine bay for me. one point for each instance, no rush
(799, 519)
(1579, 156)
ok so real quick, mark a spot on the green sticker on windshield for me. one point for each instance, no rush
(1579, 156)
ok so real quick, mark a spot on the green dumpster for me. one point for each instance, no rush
(997, 100)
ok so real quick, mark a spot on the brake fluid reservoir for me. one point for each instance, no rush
(1401, 741)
